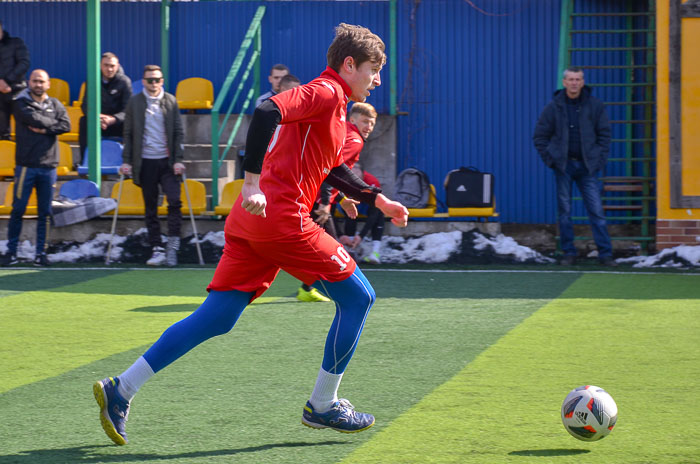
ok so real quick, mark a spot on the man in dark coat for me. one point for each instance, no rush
(573, 138)
(116, 91)
(14, 64)
(40, 119)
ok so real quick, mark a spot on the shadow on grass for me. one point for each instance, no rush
(90, 454)
(171, 308)
(547, 452)
(38, 280)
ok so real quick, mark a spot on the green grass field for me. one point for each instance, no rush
(457, 367)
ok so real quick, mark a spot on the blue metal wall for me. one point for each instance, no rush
(479, 81)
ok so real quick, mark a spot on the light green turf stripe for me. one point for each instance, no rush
(504, 406)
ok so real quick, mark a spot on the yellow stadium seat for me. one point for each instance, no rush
(59, 90)
(74, 113)
(65, 163)
(474, 212)
(228, 197)
(81, 96)
(198, 197)
(7, 158)
(131, 203)
(12, 126)
(6, 208)
(195, 93)
(429, 210)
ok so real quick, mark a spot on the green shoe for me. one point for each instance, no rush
(312, 296)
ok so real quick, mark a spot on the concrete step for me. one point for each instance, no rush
(198, 128)
(202, 168)
(202, 151)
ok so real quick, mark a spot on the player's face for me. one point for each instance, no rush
(364, 124)
(39, 83)
(573, 83)
(364, 78)
(109, 67)
(274, 79)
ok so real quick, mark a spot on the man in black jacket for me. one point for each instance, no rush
(14, 64)
(573, 138)
(153, 154)
(40, 119)
(116, 91)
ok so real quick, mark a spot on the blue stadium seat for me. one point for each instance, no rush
(136, 86)
(111, 158)
(79, 188)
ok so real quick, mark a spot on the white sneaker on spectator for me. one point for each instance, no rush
(158, 257)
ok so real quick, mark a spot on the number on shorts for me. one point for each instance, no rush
(345, 257)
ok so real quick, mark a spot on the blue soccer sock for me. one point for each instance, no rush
(353, 298)
(216, 316)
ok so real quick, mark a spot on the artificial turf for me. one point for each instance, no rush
(457, 367)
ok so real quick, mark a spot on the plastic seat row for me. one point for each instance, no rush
(7, 159)
(194, 93)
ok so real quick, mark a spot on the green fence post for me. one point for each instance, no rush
(94, 91)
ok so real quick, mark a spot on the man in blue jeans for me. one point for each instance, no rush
(572, 136)
(39, 119)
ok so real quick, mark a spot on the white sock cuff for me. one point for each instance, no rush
(132, 379)
(325, 392)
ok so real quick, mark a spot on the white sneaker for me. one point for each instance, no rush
(158, 257)
(373, 258)
(171, 251)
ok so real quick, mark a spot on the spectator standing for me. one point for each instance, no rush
(276, 73)
(270, 228)
(289, 81)
(14, 64)
(115, 94)
(572, 137)
(39, 120)
(153, 155)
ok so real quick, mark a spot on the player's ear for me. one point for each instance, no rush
(349, 64)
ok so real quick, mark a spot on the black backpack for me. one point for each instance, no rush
(412, 188)
(469, 188)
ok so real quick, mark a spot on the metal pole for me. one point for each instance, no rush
(94, 91)
(165, 42)
(194, 225)
(393, 44)
(114, 218)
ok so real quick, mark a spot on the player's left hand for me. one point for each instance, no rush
(393, 209)
(348, 205)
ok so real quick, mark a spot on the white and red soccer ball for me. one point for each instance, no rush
(589, 413)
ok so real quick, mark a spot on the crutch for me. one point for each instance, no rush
(114, 218)
(194, 225)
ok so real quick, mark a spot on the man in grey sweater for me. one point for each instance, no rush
(153, 155)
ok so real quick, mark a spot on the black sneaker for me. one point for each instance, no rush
(9, 260)
(568, 260)
(41, 260)
(607, 261)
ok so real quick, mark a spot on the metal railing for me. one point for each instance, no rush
(252, 39)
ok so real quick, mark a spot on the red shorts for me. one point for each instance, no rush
(251, 266)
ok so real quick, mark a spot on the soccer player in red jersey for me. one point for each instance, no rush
(299, 135)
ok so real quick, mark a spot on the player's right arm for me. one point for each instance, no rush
(265, 120)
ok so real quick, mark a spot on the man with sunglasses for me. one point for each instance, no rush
(153, 155)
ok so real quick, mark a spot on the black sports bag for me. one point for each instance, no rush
(469, 188)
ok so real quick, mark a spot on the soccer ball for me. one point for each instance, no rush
(589, 413)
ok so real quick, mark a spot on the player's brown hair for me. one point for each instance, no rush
(364, 109)
(357, 42)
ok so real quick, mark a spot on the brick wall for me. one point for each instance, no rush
(670, 233)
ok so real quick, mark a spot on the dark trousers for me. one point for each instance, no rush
(589, 186)
(5, 112)
(374, 224)
(115, 130)
(155, 172)
(26, 179)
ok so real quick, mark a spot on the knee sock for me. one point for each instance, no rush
(216, 316)
(353, 298)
